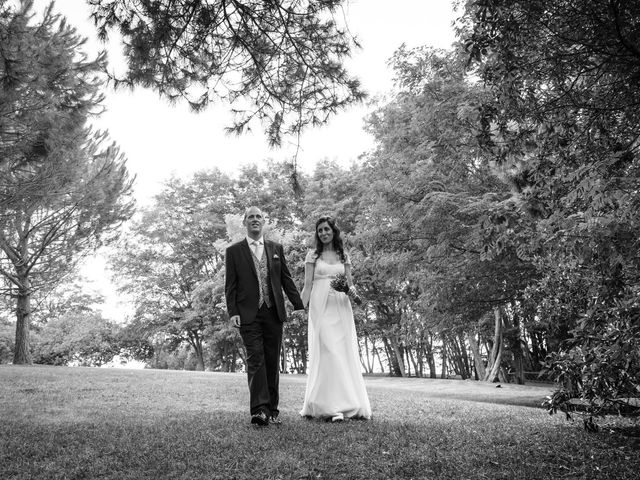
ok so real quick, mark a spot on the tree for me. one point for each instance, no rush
(333, 190)
(431, 208)
(225, 345)
(271, 189)
(62, 191)
(276, 61)
(562, 121)
(7, 336)
(82, 338)
(170, 254)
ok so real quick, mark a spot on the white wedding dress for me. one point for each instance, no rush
(335, 384)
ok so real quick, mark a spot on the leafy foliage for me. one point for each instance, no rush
(172, 259)
(278, 62)
(63, 191)
(74, 338)
(562, 123)
(7, 340)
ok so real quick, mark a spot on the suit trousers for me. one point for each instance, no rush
(263, 340)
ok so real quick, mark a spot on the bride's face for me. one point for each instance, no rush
(325, 233)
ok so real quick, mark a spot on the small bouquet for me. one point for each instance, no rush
(339, 284)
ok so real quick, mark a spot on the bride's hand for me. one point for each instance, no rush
(353, 294)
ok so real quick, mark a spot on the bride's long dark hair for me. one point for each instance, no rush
(337, 239)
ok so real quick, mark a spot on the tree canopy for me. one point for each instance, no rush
(562, 123)
(279, 62)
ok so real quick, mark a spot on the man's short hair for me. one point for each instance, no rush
(246, 210)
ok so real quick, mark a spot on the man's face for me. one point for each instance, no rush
(254, 221)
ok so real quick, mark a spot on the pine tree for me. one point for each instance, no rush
(63, 191)
(280, 62)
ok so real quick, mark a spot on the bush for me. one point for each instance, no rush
(7, 342)
(601, 365)
(84, 339)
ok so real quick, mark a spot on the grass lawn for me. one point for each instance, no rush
(79, 423)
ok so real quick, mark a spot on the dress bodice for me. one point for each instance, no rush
(323, 269)
(327, 270)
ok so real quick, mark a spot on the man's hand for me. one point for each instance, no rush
(235, 321)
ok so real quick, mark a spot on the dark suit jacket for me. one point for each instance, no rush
(241, 281)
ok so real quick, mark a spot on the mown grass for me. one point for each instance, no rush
(77, 423)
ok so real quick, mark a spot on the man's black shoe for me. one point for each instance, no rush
(260, 419)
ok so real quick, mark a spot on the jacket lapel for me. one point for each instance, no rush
(249, 256)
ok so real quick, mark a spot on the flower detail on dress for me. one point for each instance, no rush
(339, 284)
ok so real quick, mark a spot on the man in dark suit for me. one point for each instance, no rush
(256, 275)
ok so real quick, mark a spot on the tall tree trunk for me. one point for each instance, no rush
(394, 355)
(233, 362)
(294, 359)
(431, 361)
(391, 358)
(537, 349)
(283, 359)
(477, 358)
(464, 354)
(304, 357)
(412, 356)
(194, 339)
(410, 362)
(450, 356)
(457, 360)
(518, 353)
(199, 354)
(495, 358)
(22, 352)
(529, 362)
(223, 355)
(398, 350)
(361, 356)
(514, 343)
(369, 353)
(420, 360)
(376, 353)
(443, 373)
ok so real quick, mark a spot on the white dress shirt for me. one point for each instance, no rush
(257, 250)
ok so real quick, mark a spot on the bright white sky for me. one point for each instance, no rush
(159, 139)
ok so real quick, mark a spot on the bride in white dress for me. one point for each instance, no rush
(335, 387)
